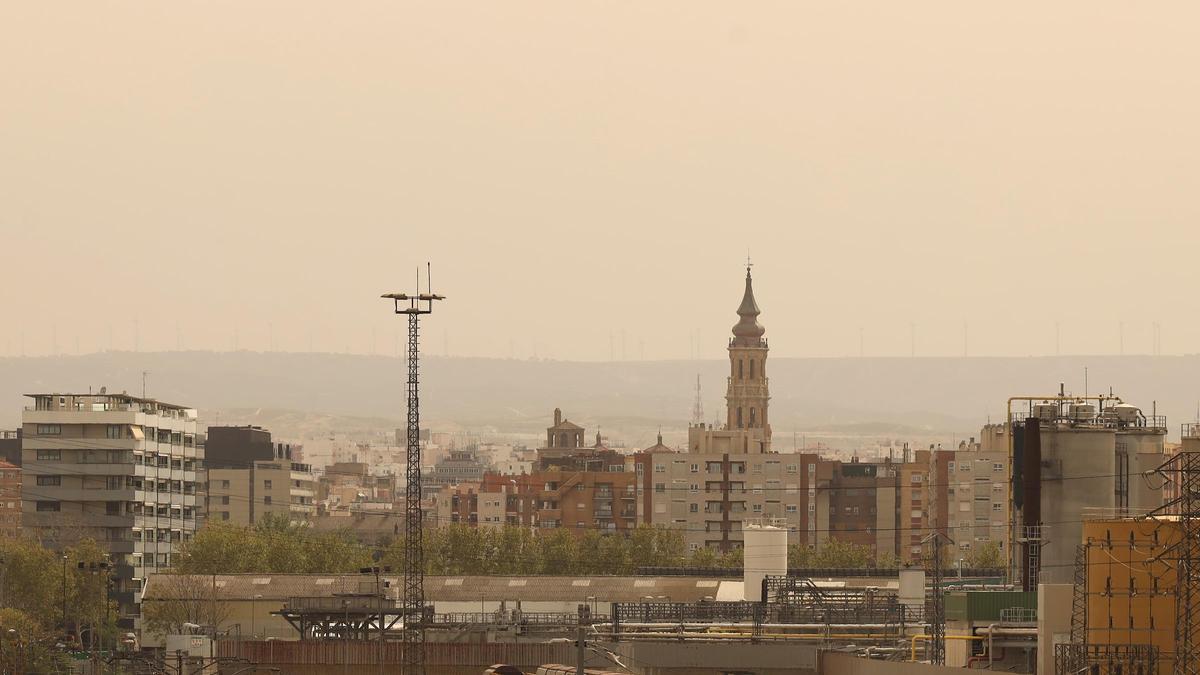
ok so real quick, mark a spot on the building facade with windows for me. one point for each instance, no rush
(969, 496)
(711, 496)
(250, 476)
(119, 469)
(10, 499)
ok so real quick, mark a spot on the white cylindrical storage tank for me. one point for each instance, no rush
(1083, 412)
(764, 552)
(1047, 412)
(1125, 412)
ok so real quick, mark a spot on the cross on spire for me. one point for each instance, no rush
(748, 263)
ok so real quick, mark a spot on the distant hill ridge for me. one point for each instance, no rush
(935, 394)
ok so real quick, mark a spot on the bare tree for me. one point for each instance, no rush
(179, 599)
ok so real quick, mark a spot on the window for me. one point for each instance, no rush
(997, 506)
(266, 485)
(112, 508)
(949, 466)
(695, 468)
(225, 500)
(790, 508)
(49, 480)
(965, 466)
(660, 468)
(115, 431)
(224, 485)
(997, 466)
(757, 508)
(49, 506)
(916, 478)
(49, 429)
(752, 374)
(49, 455)
(660, 487)
(693, 508)
(791, 468)
(267, 500)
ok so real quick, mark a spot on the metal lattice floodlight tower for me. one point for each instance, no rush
(412, 606)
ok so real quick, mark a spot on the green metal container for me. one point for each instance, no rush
(977, 606)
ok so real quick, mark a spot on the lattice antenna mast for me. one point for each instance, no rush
(413, 603)
(698, 406)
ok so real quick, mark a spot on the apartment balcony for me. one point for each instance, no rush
(86, 495)
(123, 520)
(121, 546)
(118, 416)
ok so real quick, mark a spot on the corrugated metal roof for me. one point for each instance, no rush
(452, 589)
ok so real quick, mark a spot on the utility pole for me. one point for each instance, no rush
(413, 605)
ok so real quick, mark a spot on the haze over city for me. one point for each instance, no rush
(588, 178)
(607, 338)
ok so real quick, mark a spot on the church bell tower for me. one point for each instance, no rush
(747, 396)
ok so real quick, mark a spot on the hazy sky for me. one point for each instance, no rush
(579, 169)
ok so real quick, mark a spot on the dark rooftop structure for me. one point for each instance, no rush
(239, 447)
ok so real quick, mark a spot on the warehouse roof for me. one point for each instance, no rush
(441, 588)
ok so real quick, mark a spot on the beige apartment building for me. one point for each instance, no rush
(250, 476)
(711, 496)
(246, 496)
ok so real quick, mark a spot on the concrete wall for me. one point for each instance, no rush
(716, 658)
(1054, 622)
(834, 663)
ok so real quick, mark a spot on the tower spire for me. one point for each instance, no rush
(748, 330)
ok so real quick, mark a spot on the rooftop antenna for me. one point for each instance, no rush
(1085, 382)
(413, 604)
(144, 374)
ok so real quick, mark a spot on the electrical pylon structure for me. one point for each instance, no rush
(413, 603)
(1184, 471)
(937, 604)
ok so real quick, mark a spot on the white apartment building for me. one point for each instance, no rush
(122, 470)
